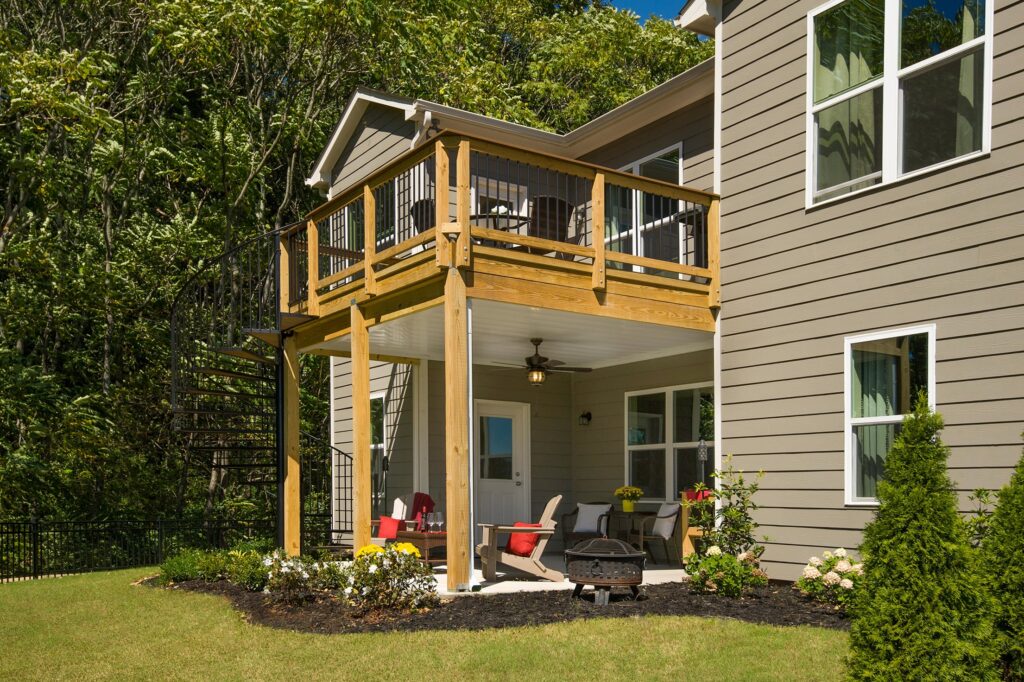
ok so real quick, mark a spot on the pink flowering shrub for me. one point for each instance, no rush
(831, 578)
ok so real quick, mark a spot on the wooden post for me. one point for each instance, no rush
(369, 240)
(284, 272)
(312, 267)
(597, 279)
(442, 196)
(714, 254)
(456, 386)
(292, 472)
(461, 257)
(361, 453)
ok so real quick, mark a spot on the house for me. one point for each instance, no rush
(768, 255)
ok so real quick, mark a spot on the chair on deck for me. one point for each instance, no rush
(406, 514)
(661, 527)
(588, 520)
(526, 543)
(549, 219)
(423, 215)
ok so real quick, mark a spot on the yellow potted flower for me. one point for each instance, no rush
(628, 494)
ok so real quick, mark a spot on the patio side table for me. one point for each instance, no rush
(425, 542)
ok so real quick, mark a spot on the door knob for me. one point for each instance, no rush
(519, 482)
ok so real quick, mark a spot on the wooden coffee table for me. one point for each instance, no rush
(425, 542)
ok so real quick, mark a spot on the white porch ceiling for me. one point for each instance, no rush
(502, 333)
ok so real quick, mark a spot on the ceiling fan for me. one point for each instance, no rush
(537, 366)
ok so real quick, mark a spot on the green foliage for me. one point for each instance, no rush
(979, 524)
(922, 612)
(718, 572)
(246, 569)
(391, 577)
(181, 567)
(138, 140)
(1002, 551)
(729, 524)
(212, 565)
(832, 578)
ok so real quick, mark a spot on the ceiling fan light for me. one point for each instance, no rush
(536, 376)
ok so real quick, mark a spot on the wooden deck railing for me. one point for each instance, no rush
(459, 196)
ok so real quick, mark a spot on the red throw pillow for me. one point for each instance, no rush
(388, 528)
(523, 544)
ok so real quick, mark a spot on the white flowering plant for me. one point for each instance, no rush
(730, 575)
(291, 579)
(831, 578)
(391, 577)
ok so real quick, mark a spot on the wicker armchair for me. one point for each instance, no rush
(571, 535)
(661, 527)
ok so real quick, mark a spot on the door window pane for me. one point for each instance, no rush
(850, 144)
(942, 112)
(848, 46)
(496, 448)
(871, 443)
(690, 470)
(646, 422)
(928, 27)
(647, 471)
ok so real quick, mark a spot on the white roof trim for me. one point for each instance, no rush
(696, 83)
(700, 16)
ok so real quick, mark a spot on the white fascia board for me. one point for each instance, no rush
(700, 16)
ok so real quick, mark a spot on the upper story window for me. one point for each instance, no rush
(895, 87)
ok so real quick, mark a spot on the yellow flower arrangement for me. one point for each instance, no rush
(369, 549)
(406, 547)
(629, 493)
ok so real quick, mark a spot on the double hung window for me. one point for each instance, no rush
(645, 224)
(895, 87)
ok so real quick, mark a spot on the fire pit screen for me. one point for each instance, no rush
(604, 563)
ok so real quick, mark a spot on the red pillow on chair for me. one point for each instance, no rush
(523, 544)
(388, 528)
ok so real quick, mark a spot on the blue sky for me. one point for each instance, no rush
(667, 9)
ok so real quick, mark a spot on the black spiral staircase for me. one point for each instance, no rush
(227, 393)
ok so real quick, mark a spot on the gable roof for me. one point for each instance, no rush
(686, 88)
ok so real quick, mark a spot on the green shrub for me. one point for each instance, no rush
(246, 569)
(1002, 554)
(729, 524)
(181, 567)
(260, 546)
(390, 578)
(832, 578)
(922, 612)
(718, 572)
(212, 565)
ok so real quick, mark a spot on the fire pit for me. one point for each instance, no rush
(604, 564)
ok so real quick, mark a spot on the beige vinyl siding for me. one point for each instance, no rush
(382, 136)
(946, 247)
(693, 126)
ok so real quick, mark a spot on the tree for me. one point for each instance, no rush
(922, 611)
(1002, 551)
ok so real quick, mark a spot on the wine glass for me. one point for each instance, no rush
(430, 522)
(439, 518)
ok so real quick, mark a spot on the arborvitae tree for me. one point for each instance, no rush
(1002, 554)
(923, 612)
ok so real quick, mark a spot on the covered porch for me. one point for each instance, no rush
(449, 294)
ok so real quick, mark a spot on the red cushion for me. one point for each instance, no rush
(388, 528)
(523, 544)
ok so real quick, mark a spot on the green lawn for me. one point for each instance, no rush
(100, 627)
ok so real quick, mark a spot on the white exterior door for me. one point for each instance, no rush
(502, 462)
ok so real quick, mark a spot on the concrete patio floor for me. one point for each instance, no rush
(510, 580)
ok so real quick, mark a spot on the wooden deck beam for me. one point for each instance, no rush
(457, 397)
(361, 441)
(292, 502)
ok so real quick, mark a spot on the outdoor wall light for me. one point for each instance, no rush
(585, 419)
(536, 376)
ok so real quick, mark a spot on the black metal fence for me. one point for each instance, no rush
(35, 549)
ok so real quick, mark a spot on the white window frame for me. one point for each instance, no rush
(892, 100)
(669, 447)
(634, 168)
(849, 421)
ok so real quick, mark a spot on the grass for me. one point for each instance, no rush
(99, 626)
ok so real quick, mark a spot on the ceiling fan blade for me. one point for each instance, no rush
(554, 363)
(508, 364)
(570, 369)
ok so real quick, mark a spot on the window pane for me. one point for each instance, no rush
(682, 406)
(871, 445)
(848, 46)
(376, 421)
(646, 420)
(888, 374)
(929, 27)
(690, 470)
(707, 415)
(664, 167)
(496, 448)
(647, 471)
(850, 144)
(942, 110)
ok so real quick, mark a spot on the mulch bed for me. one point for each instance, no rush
(777, 605)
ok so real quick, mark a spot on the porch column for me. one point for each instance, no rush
(361, 483)
(456, 386)
(292, 520)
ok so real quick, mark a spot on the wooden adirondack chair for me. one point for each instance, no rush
(491, 555)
